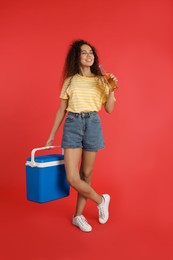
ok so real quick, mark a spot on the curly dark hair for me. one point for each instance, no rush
(72, 65)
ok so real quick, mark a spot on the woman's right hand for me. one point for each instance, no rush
(49, 141)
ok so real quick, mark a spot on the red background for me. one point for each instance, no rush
(134, 41)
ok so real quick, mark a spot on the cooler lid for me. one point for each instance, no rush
(46, 160)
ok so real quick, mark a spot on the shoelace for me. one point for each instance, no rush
(83, 220)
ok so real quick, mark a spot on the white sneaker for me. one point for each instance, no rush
(81, 222)
(103, 209)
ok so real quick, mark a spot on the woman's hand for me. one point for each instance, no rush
(49, 141)
(112, 76)
(111, 81)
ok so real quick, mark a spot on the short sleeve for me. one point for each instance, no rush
(64, 91)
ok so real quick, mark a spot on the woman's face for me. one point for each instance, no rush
(87, 56)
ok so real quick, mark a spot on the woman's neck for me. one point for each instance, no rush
(86, 72)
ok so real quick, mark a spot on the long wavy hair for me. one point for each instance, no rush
(72, 62)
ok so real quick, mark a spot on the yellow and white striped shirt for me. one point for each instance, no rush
(84, 94)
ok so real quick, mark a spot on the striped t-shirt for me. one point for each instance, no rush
(84, 94)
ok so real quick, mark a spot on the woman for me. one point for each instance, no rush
(83, 93)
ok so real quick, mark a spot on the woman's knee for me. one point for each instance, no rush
(72, 180)
(86, 175)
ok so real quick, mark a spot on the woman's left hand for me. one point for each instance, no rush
(111, 81)
(112, 76)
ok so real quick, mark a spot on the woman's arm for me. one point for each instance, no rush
(58, 120)
(109, 105)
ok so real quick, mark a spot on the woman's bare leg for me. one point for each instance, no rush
(88, 159)
(72, 159)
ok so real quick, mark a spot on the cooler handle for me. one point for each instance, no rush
(42, 148)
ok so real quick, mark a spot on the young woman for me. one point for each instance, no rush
(82, 95)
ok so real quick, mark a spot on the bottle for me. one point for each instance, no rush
(112, 83)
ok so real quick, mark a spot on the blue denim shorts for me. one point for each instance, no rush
(83, 130)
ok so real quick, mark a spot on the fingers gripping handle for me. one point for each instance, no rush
(41, 148)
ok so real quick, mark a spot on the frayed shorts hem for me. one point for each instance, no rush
(83, 148)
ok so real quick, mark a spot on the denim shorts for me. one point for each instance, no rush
(83, 130)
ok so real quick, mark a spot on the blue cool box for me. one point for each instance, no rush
(46, 179)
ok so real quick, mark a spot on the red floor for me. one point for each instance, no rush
(32, 231)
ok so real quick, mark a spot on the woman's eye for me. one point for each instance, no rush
(85, 53)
